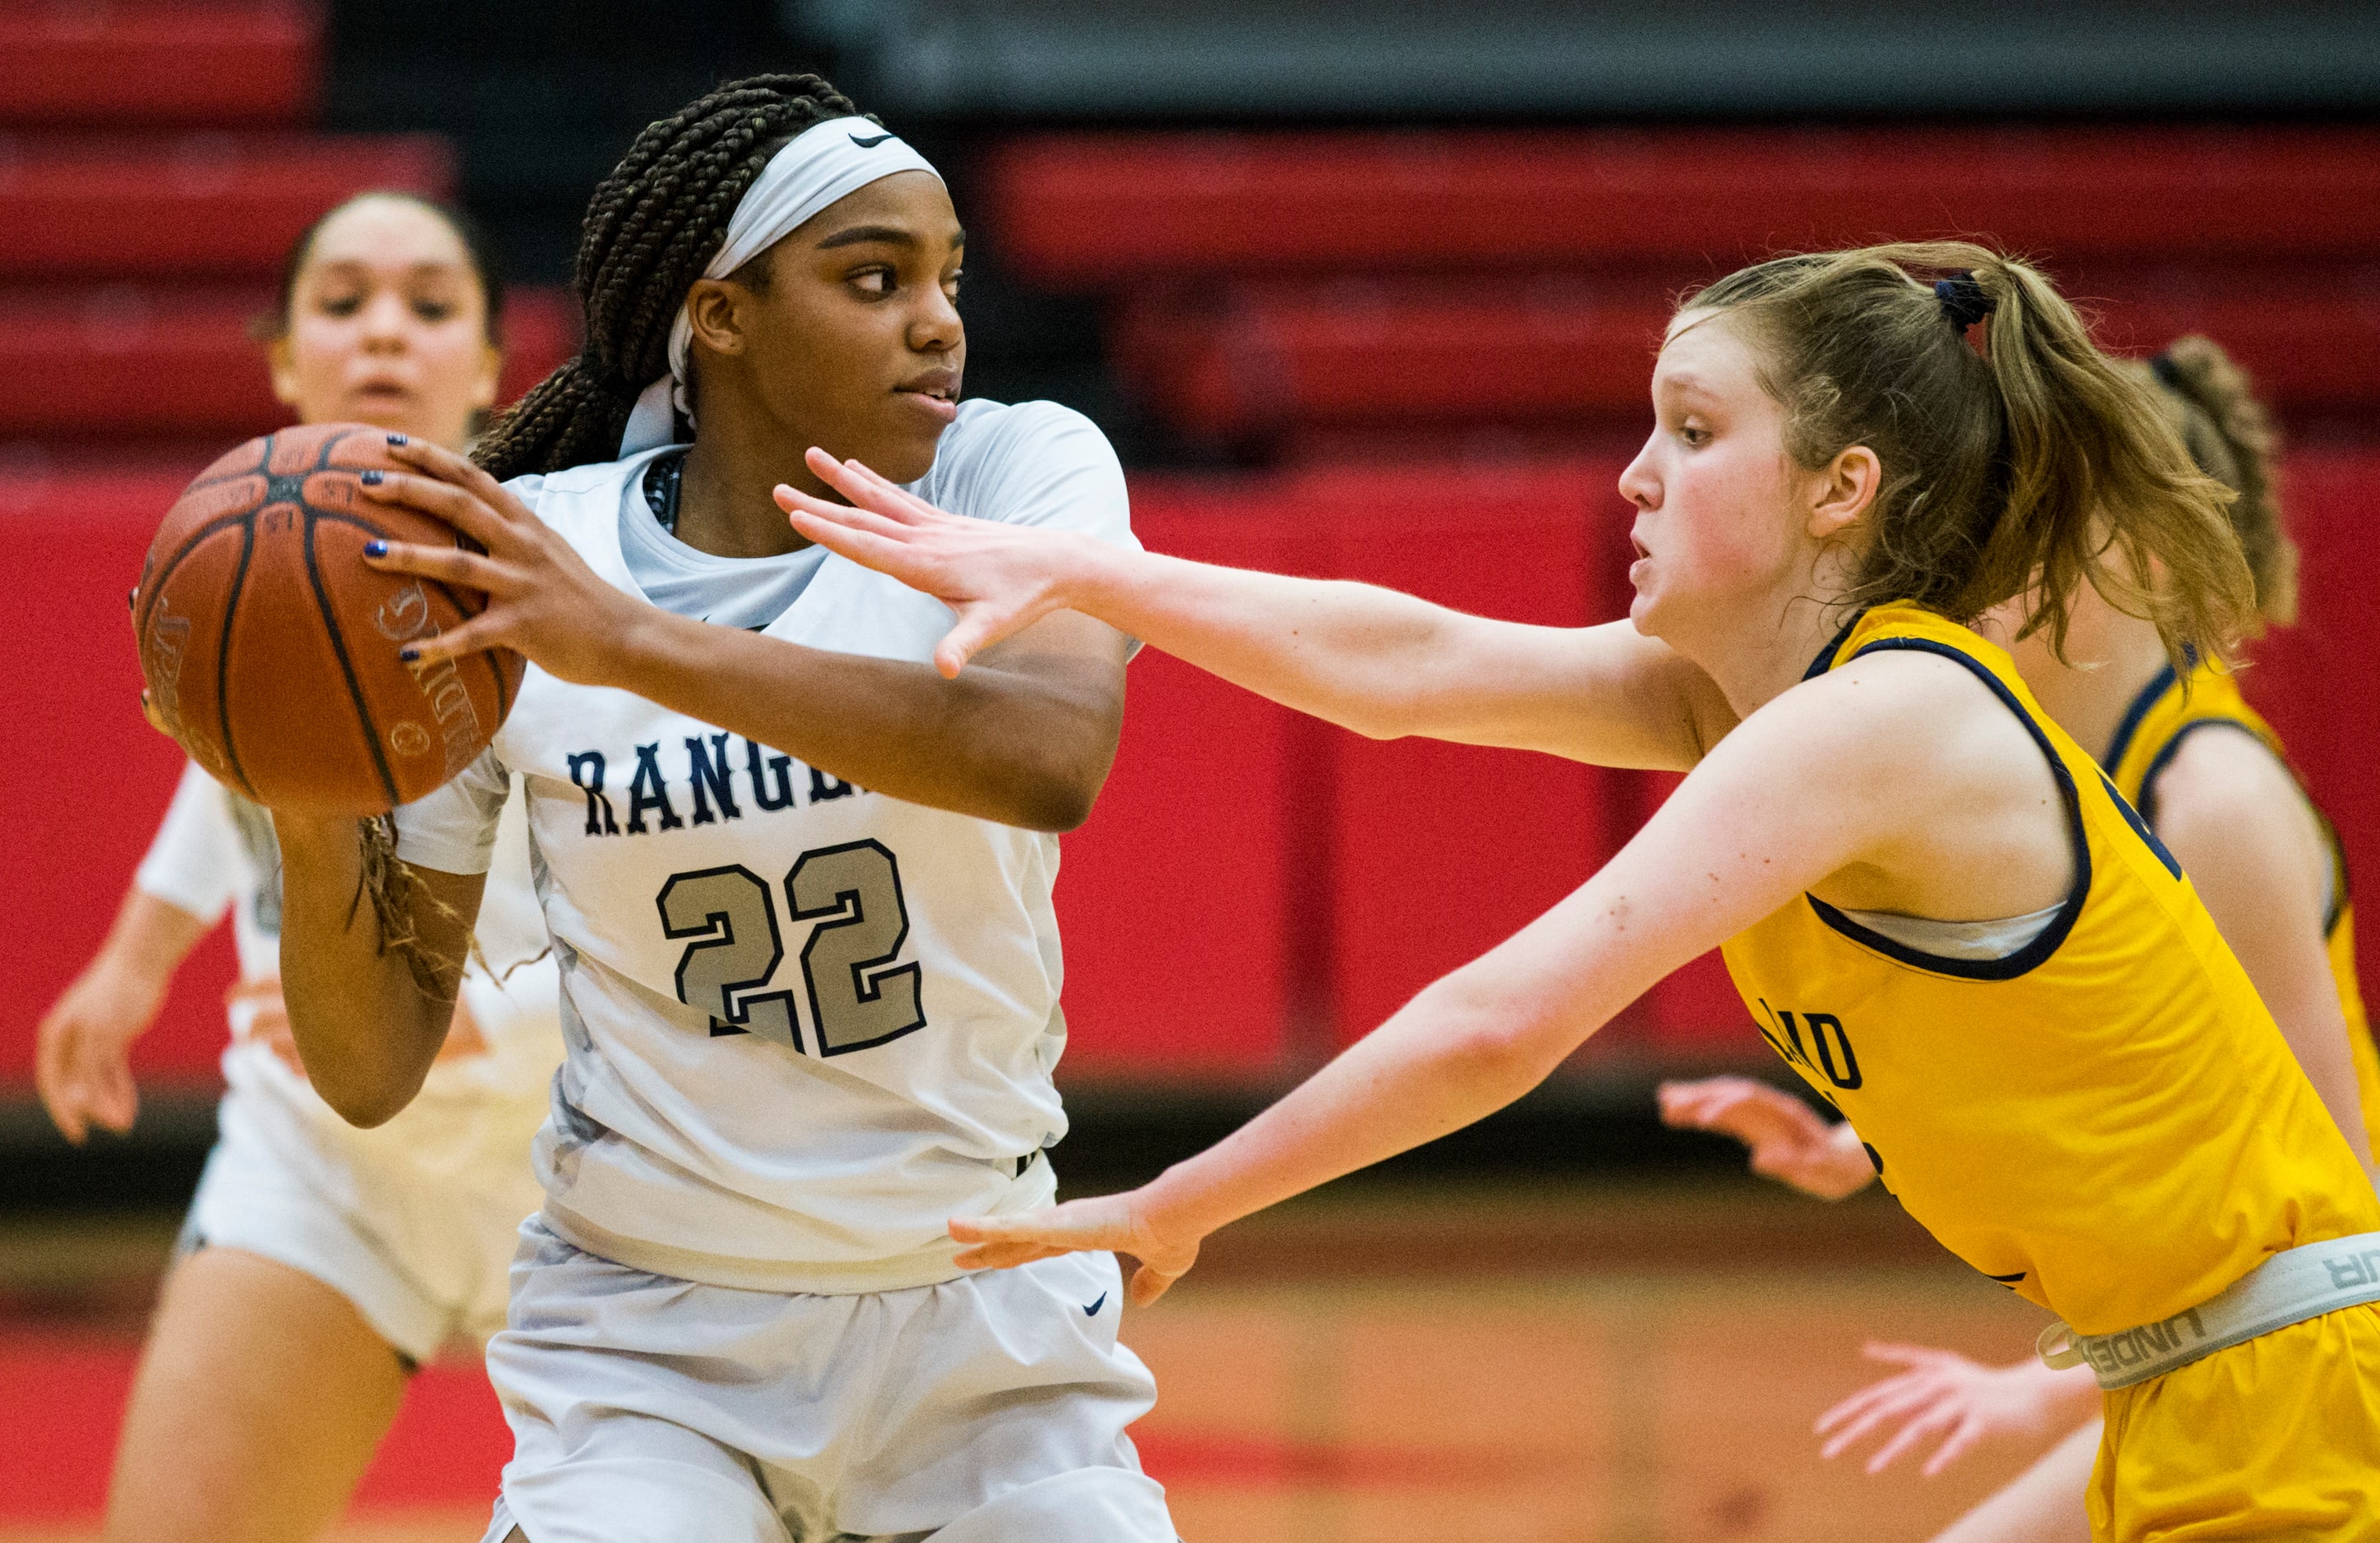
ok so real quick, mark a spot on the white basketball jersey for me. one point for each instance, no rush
(807, 1022)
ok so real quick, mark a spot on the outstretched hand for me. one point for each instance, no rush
(543, 601)
(82, 1050)
(999, 579)
(1790, 1143)
(1114, 1222)
(1941, 1392)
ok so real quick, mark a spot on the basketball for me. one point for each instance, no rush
(270, 650)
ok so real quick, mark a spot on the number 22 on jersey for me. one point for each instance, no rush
(857, 995)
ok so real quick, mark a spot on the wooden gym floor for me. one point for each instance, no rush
(1581, 1363)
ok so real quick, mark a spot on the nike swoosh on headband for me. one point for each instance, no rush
(870, 144)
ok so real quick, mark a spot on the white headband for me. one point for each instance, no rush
(822, 163)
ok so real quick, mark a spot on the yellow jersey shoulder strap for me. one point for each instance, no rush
(2173, 707)
(1903, 626)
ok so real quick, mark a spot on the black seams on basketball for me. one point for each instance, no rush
(270, 649)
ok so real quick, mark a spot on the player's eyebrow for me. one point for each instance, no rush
(888, 235)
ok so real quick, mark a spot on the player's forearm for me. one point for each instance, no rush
(1023, 747)
(1463, 1048)
(148, 942)
(2066, 1393)
(2044, 1505)
(1371, 659)
(365, 1027)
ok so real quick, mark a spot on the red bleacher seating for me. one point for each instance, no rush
(202, 205)
(155, 64)
(1260, 357)
(1100, 209)
(124, 359)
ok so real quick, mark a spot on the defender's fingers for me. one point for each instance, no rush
(1042, 1226)
(1148, 1283)
(1910, 1404)
(1919, 1429)
(1004, 1256)
(885, 552)
(892, 491)
(448, 564)
(979, 627)
(1959, 1442)
(1911, 1355)
(1850, 1409)
(797, 503)
(864, 488)
(1859, 1403)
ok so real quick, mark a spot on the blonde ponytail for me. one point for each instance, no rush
(2033, 462)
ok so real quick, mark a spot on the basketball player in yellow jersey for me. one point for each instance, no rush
(2271, 873)
(1938, 908)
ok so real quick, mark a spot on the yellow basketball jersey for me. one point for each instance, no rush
(2106, 1121)
(2161, 717)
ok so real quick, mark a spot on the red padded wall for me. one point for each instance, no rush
(2319, 682)
(1441, 851)
(1174, 898)
(88, 777)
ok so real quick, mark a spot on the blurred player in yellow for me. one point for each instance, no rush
(1942, 915)
(2261, 855)
(320, 1263)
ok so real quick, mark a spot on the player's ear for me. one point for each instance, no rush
(714, 308)
(1841, 494)
(491, 375)
(284, 371)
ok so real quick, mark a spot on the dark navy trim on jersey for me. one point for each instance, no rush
(2157, 848)
(1826, 659)
(2034, 953)
(2149, 696)
(2338, 849)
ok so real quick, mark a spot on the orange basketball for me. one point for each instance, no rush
(270, 651)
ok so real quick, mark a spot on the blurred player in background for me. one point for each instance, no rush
(798, 883)
(1946, 918)
(2262, 856)
(320, 1263)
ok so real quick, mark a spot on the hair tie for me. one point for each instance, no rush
(2168, 373)
(1962, 299)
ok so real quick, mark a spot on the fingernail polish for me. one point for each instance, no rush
(372, 478)
(399, 439)
(409, 655)
(375, 548)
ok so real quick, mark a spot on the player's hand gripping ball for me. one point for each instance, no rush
(270, 650)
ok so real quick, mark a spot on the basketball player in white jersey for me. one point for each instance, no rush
(320, 1263)
(798, 884)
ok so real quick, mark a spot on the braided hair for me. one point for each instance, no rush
(651, 227)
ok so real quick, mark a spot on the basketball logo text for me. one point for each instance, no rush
(403, 617)
(169, 638)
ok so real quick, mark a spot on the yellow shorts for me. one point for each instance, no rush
(2275, 1438)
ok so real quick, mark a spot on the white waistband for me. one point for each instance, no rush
(2287, 1288)
(929, 1266)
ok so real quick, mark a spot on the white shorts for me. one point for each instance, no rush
(425, 1263)
(988, 1409)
